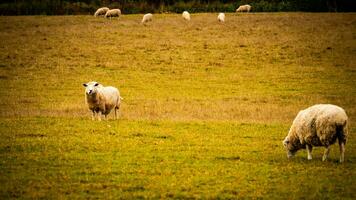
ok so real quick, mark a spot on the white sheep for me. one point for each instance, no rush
(146, 18)
(186, 15)
(318, 125)
(101, 11)
(113, 13)
(101, 100)
(244, 8)
(221, 17)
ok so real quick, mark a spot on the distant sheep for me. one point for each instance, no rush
(146, 18)
(244, 8)
(113, 13)
(318, 125)
(101, 100)
(221, 17)
(101, 11)
(186, 15)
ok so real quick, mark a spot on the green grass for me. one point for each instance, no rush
(78, 158)
(206, 105)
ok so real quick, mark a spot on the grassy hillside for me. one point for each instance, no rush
(206, 105)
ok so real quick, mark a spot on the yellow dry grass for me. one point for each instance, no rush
(254, 67)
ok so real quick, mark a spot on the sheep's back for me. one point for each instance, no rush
(101, 11)
(147, 17)
(113, 13)
(319, 123)
(186, 15)
(111, 94)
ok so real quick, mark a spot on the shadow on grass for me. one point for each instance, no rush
(231, 158)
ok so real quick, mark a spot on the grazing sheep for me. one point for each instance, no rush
(221, 17)
(244, 8)
(186, 15)
(146, 18)
(113, 13)
(101, 100)
(318, 125)
(101, 11)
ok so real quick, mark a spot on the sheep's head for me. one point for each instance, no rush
(91, 88)
(288, 145)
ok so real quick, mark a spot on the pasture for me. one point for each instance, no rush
(206, 105)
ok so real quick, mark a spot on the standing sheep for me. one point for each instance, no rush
(318, 125)
(221, 17)
(186, 15)
(101, 100)
(113, 13)
(101, 11)
(146, 18)
(244, 8)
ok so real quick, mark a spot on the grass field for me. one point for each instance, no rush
(206, 106)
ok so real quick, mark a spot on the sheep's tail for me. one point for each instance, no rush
(342, 132)
(118, 102)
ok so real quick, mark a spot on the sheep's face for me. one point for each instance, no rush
(91, 88)
(291, 150)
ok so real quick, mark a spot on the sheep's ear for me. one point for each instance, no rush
(85, 85)
(96, 84)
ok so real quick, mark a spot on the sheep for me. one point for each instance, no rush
(101, 100)
(318, 125)
(186, 15)
(221, 17)
(101, 11)
(244, 8)
(113, 13)
(146, 18)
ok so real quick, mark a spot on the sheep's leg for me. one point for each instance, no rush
(309, 150)
(342, 151)
(93, 115)
(117, 109)
(99, 116)
(326, 153)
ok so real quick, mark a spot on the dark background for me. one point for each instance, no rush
(65, 7)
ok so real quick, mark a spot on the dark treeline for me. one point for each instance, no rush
(64, 7)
